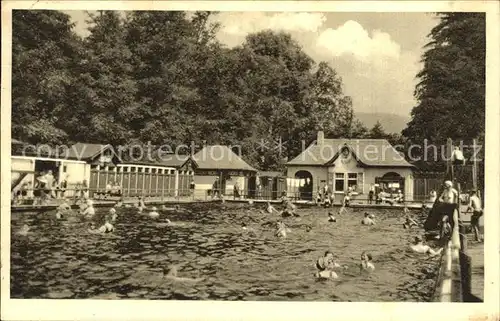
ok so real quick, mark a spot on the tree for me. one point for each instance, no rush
(106, 92)
(327, 107)
(377, 131)
(169, 51)
(44, 52)
(450, 94)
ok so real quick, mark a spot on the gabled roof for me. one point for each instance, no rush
(368, 152)
(220, 157)
(82, 151)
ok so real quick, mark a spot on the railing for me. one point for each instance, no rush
(40, 197)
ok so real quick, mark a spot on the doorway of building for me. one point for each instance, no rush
(306, 185)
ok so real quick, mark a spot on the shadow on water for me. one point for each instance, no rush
(60, 259)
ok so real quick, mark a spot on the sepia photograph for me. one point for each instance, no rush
(196, 153)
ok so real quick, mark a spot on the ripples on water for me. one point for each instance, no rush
(60, 259)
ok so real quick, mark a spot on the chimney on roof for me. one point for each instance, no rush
(321, 138)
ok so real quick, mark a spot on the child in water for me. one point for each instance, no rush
(368, 219)
(270, 209)
(325, 266)
(366, 262)
(154, 213)
(105, 229)
(281, 229)
(113, 215)
(62, 210)
(89, 210)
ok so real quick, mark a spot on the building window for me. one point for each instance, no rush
(352, 181)
(339, 182)
(65, 168)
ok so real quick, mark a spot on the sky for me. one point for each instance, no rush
(376, 54)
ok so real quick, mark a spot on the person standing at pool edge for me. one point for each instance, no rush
(449, 200)
(477, 211)
(371, 193)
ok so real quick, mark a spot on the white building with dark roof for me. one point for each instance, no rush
(356, 164)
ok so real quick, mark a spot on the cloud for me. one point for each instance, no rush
(352, 38)
(235, 26)
(376, 72)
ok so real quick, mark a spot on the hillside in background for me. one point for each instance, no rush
(392, 123)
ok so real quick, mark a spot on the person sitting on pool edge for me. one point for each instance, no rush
(366, 262)
(368, 219)
(325, 266)
(331, 218)
(105, 229)
(419, 247)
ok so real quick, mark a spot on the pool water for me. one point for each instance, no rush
(60, 259)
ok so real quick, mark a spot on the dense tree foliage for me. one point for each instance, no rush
(451, 91)
(45, 52)
(163, 77)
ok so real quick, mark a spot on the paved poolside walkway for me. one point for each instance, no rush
(476, 251)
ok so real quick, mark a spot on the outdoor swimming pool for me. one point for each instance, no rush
(60, 259)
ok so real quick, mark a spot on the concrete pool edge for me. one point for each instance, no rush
(450, 282)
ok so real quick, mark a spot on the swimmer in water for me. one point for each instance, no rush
(308, 228)
(89, 210)
(281, 229)
(171, 209)
(154, 213)
(325, 266)
(105, 229)
(366, 262)
(119, 203)
(409, 222)
(368, 219)
(171, 274)
(270, 209)
(62, 210)
(112, 213)
(24, 230)
(419, 247)
(331, 218)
